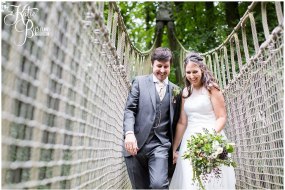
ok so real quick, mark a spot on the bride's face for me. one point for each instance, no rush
(193, 74)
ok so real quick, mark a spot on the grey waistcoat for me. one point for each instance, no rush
(161, 124)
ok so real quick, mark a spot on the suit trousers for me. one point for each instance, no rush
(149, 168)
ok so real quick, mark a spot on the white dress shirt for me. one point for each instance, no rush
(156, 81)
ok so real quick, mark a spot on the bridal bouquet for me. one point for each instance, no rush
(207, 152)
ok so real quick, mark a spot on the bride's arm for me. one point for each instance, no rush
(218, 103)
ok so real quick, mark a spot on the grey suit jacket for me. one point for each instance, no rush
(139, 114)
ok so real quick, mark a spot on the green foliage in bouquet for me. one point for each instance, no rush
(207, 152)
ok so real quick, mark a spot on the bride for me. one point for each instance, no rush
(203, 106)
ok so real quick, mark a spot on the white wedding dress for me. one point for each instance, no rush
(200, 113)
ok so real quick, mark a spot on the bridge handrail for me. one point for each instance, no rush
(128, 60)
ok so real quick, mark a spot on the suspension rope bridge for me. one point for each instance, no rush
(63, 97)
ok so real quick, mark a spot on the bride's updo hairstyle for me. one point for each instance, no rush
(207, 79)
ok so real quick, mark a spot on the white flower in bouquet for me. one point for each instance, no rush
(214, 155)
(215, 145)
(219, 150)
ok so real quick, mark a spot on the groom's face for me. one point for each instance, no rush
(161, 69)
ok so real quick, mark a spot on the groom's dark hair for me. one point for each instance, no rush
(161, 54)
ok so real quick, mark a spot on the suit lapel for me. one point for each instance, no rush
(152, 90)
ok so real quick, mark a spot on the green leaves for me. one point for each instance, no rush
(207, 148)
(229, 148)
(139, 18)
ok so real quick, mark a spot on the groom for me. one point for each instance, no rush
(151, 113)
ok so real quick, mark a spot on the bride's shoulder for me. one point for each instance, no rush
(215, 92)
(213, 88)
(185, 92)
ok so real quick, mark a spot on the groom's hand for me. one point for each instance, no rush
(131, 144)
(175, 156)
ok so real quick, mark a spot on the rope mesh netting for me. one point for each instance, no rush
(63, 97)
(255, 119)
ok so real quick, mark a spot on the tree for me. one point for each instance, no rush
(139, 18)
(232, 14)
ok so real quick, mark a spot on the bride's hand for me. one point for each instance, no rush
(175, 157)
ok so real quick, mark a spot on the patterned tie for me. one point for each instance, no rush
(161, 91)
